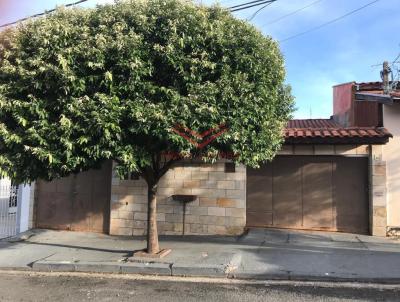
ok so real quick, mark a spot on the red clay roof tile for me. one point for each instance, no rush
(327, 131)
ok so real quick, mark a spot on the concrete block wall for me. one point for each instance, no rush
(378, 192)
(220, 207)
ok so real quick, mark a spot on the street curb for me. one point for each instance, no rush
(19, 237)
(227, 271)
(165, 269)
(182, 270)
(50, 266)
(207, 270)
(103, 267)
(147, 268)
(287, 276)
(143, 268)
(234, 264)
(16, 268)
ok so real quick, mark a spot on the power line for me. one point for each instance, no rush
(257, 11)
(240, 7)
(40, 14)
(392, 62)
(397, 76)
(380, 64)
(246, 3)
(395, 60)
(329, 22)
(292, 13)
(234, 8)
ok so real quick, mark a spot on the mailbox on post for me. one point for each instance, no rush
(184, 199)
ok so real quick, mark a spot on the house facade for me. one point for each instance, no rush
(328, 176)
(332, 187)
(384, 110)
(338, 174)
(391, 154)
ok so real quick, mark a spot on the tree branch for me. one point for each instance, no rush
(166, 167)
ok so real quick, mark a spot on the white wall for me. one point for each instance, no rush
(20, 219)
(24, 199)
(391, 154)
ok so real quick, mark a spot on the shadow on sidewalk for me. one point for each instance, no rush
(79, 247)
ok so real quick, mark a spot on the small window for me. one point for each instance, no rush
(229, 167)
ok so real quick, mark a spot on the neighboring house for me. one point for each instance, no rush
(368, 104)
(330, 175)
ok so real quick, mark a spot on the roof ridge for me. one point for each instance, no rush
(340, 127)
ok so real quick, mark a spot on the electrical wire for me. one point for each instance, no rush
(41, 14)
(329, 22)
(233, 9)
(395, 60)
(246, 3)
(380, 64)
(292, 13)
(395, 83)
(260, 9)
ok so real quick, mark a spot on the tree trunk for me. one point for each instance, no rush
(152, 235)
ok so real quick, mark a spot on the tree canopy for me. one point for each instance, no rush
(81, 86)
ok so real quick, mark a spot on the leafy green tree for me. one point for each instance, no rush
(82, 86)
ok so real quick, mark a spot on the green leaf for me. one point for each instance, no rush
(84, 85)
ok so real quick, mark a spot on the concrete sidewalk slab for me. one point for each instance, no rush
(260, 254)
(86, 252)
(321, 256)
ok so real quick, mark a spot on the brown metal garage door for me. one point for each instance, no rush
(310, 192)
(78, 202)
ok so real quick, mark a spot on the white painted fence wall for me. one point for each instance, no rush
(14, 208)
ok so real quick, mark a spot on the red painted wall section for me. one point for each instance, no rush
(343, 104)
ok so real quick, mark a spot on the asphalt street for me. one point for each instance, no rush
(28, 286)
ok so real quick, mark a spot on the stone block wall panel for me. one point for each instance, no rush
(220, 207)
(378, 192)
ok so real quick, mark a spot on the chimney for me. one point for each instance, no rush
(343, 104)
(351, 113)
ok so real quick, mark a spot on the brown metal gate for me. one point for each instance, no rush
(78, 202)
(310, 192)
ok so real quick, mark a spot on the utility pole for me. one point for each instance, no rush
(385, 77)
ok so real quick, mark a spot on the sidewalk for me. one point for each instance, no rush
(261, 254)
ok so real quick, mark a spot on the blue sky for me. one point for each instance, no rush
(341, 52)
